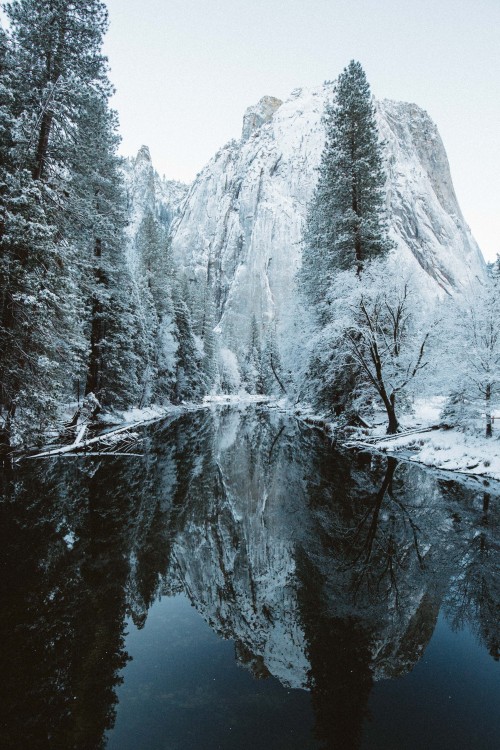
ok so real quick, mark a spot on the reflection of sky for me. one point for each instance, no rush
(183, 689)
(186, 70)
(437, 705)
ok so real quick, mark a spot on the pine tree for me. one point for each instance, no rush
(36, 284)
(95, 214)
(6, 118)
(189, 380)
(157, 278)
(209, 363)
(346, 223)
(346, 227)
(63, 279)
(57, 46)
(252, 364)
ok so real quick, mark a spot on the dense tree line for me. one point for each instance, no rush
(65, 291)
(72, 317)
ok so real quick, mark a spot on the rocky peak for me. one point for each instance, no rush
(143, 155)
(147, 192)
(258, 114)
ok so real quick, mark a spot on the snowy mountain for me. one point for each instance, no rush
(147, 191)
(241, 225)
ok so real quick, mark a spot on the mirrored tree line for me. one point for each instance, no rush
(88, 544)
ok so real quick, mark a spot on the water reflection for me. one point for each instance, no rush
(328, 571)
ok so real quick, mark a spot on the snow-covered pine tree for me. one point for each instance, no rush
(36, 284)
(190, 383)
(208, 335)
(157, 278)
(6, 116)
(60, 183)
(96, 195)
(200, 297)
(252, 361)
(58, 50)
(346, 223)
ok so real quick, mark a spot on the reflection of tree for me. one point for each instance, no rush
(63, 615)
(82, 544)
(381, 546)
(152, 559)
(97, 647)
(339, 649)
(474, 596)
(371, 523)
(364, 563)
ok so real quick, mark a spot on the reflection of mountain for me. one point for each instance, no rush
(328, 571)
(234, 552)
(261, 508)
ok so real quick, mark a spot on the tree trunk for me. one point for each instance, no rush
(358, 249)
(390, 406)
(487, 408)
(276, 375)
(93, 383)
(5, 431)
(43, 145)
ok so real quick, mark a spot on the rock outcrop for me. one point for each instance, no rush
(256, 116)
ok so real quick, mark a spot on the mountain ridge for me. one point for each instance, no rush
(236, 231)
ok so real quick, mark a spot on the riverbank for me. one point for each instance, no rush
(115, 432)
(422, 440)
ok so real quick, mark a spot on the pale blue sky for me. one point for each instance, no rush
(185, 70)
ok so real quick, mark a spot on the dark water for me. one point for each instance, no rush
(242, 585)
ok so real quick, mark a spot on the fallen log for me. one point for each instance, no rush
(80, 445)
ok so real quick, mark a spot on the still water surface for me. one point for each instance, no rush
(240, 584)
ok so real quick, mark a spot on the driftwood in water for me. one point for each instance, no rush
(80, 444)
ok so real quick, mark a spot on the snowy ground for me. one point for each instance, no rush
(451, 450)
(444, 449)
(448, 449)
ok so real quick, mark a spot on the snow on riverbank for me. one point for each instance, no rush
(447, 449)
(423, 441)
(450, 450)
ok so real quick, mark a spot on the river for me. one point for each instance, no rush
(239, 583)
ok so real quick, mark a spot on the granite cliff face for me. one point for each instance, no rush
(241, 225)
(256, 116)
(148, 192)
(426, 218)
